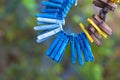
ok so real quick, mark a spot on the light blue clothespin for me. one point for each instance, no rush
(42, 37)
(49, 20)
(76, 2)
(46, 27)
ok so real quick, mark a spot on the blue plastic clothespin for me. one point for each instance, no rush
(83, 48)
(53, 45)
(51, 4)
(56, 49)
(78, 48)
(48, 20)
(57, 1)
(72, 46)
(87, 45)
(46, 27)
(42, 37)
(61, 50)
(49, 10)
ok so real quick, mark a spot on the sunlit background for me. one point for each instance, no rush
(21, 58)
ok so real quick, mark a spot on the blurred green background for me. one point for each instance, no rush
(22, 59)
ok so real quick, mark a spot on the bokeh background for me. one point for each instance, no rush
(21, 58)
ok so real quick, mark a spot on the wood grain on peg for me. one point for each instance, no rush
(102, 25)
(96, 40)
(104, 3)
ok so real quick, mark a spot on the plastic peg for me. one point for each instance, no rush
(87, 45)
(86, 32)
(48, 20)
(56, 49)
(48, 34)
(81, 62)
(83, 48)
(49, 10)
(46, 27)
(62, 48)
(53, 45)
(51, 4)
(57, 1)
(72, 46)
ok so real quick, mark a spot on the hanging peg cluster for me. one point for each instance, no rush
(52, 18)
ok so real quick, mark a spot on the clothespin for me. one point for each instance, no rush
(87, 45)
(48, 20)
(81, 62)
(62, 48)
(76, 2)
(97, 42)
(51, 4)
(47, 15)
(54, 44)
(46, 27)
(104, 3)
(48, 34)
(83, 48)
(97, 28)
(86, 32)
(58, 46)
(57, 1)
(102, 25)
(114, 1)
(72, 46)
(49, 10)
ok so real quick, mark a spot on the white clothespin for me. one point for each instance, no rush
(44, 36)
(46, 27)
(48, 20)
(76, 2)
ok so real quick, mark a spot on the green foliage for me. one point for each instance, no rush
(22, 59)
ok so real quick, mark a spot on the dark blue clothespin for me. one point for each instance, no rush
(87, 46)
(57, 1)
(58, 46)
(72, 46)
(78, 48)
(49, 10)
(61, 50)
(83, 48)
(51, 4)
(53, 45)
